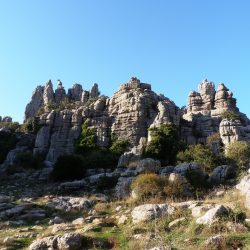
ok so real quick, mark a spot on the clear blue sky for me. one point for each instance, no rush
(172, 44)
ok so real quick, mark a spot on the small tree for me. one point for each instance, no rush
(164, 144)
(200, 154)
(239, 153)
(68, 167)
(87, 140)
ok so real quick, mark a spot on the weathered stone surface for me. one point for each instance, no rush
(244, 188)
(148, 165)
(75, 93)
(73, 185)
(60, 93)
(221, 174)
(213, 215)
(48, 94)
(150, 212)
(35, 103)
(68, 241)
(191, 169)
(70, 203)
(232, 131)
(94, 92)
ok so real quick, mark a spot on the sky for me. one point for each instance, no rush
(171, 44)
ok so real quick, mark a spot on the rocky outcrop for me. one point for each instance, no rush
(205, 112)
(233, 130)
(75, 93)
(134, 108)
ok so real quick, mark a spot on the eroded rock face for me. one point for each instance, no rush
(232, 131)
(127, 115)
(204, 113)
(134, 108)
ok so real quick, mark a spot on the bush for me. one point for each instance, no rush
(68, 167)
(152, 185)
(118, 146)
(87, 140)
(12, 126)
(100, 158)
(148, 185)
(106, 182)
(231, 116)
(28, 160)
(164, 144)
(30, 126)
(200, 154)
(7, 142)
(239, 153)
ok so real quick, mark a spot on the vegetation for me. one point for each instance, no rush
(7, 143)
(30, 126)
(165, 144)
(152, 185)
(87, 140)
(231, 116)
(202, 155)
(27, 160)
(68, 167)
(239, 153)
(12, 126)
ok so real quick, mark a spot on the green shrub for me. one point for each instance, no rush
(231, 116)
(12, 126)
(68, 167)
(28, 160)
(239, 153)
(87, 140)
(7, 142)
(106, 182)
(118, 146)
(164, 144)
(200, 154)
(100, 158)
(30, 126)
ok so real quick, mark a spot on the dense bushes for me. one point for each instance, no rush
(239, 153)
(152, 185)
(68, 167)
(87, 140)
(202, 155)
(95, 157)
(165, 144)
(7, 143)
(27, 160)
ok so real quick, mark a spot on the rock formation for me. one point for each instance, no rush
(205, 112)
(128, 114)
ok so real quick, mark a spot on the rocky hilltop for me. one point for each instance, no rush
(129, 113)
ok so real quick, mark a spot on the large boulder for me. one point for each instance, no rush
(148, 165)
(222, 174)
(244, 188)
(213, 215)
(150, 212)
(68, 241)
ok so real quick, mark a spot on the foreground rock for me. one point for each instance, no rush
(70, 241)
(150, 212)
(244, 188)
(70, 203)
(213, 215)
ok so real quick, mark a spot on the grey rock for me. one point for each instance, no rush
(148, 165)
(221, 174)
(149, 212)
(213, 215)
